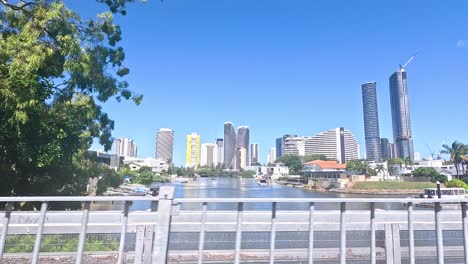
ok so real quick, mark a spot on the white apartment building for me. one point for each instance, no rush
(271, 156)
(165, 144)
(209, 155)
(125, 147)
(294, 145)
(336, 144)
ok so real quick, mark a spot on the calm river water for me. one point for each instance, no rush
(249, 188)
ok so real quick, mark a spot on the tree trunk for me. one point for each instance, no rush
(456, 169)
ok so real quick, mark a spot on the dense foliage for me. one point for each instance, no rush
(55, 67)
(430, 172)
(362, 167)
(143, 176)
(293, 162)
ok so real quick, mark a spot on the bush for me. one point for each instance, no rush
(457, 183)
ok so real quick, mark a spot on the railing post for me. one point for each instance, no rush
(372, 233)
(411, 233)
(273, 233)
(310, 254)
(201, 241)
(342, 233)
(439, 234)
(82, 239)
(123, 233)
(240, 209)
(163, 226)
(388, 243)
(465, 231)
(40, 229)
(139, 244)
(5, 223)
(396, 244)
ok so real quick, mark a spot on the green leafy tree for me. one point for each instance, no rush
(430, 172)
(144, 176)
(293, 162)
(357, 165)
(55, 69)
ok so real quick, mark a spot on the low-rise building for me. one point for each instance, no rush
(112, 160)
(326, 174)
(273, 171)
(156, 165)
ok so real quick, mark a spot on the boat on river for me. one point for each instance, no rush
(452, 193)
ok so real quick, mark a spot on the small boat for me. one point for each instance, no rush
(262, 182)
(213, 178)
(431, 193)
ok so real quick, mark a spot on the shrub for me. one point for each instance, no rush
(457, 183)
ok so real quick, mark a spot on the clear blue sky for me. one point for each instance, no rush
(290, 67)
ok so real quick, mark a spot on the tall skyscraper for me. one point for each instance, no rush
(243, 137)
(401, 121)
(336, 144)
(229, 146)
(254, 154)
(279, 147)
(371, 121)
(192, 156)
(209, 155)
(272, 156)
(125, 147)
(165, 144)
(219, 151)
(386, 148)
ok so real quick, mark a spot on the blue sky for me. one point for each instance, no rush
(289, 67)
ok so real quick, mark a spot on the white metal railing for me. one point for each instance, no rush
(169, 218)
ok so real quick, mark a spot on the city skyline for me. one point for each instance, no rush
(245, 73)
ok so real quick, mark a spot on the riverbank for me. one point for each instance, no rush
(379, 188)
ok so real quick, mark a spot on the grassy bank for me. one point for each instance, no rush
(60, 243)
(392, 185)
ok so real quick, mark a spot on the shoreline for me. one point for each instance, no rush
(364, 191)
(378, 191)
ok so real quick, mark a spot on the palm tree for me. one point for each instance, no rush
(379, 168)
(408, 162)
(463, 157)
(456, 151)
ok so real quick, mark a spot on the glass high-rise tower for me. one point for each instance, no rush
(243, 138)
(371, 121)
(229, 146)
(401, 120)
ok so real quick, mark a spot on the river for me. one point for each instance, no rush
(249, 188)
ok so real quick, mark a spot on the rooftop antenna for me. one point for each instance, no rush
(402, 68)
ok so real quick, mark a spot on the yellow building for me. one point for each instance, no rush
(192, 156)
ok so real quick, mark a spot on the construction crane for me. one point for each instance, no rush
(432, 152)
(402, 68)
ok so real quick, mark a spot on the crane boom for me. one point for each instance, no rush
(408, 62)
